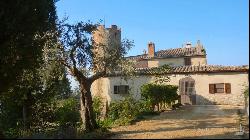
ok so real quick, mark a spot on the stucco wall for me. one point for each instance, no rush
(104, 87)
(198, 61)
(176, 61)
(170, 61)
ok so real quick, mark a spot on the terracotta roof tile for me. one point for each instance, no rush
(192, 69)
(177, 52)
(198, 69)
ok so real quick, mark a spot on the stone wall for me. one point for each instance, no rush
(169, 61)
(199, 60)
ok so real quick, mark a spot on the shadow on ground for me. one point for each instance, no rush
(191, 118)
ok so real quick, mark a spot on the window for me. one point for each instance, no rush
(220, 88)
(187, 61)
(121, 89)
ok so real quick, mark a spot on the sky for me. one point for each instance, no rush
(222, 26)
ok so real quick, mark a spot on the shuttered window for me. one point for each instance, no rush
(121, 89)
(228, 87)
(220, 88)
(116, 91)
(211, 88)
(187, 61)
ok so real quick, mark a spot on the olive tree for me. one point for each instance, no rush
(81, 56)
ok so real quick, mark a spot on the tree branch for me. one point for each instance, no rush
(65, 64)
(72, 56)
(97, 76)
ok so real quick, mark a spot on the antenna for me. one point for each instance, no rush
(104, 21)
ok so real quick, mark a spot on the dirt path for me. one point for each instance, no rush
(203, 122)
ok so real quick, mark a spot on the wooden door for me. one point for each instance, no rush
(187, 91)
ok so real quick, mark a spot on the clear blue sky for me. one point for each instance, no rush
(222, 26)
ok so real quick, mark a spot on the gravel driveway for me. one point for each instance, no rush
(188, 122)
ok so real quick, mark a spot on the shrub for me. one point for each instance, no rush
(144, 106)
(106, 123)
(246, 92)
(97, 107)
(123, 112)
(11, 133)
(67, 114)
(155, 94)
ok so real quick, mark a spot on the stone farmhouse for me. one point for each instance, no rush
(199, 83)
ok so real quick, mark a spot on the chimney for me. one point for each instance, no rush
(188, 45)
(113, 26)
(151, 49)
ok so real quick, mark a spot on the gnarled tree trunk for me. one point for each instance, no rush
(87, 112)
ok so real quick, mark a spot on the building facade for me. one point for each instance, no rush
(198, 82)
(187, 55)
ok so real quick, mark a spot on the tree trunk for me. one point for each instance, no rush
(87, 113)
(26, 111)
(153, 107)
(25, 116)
(1, 135)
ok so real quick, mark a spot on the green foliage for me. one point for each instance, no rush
(123, 112)
(36, 91)
(106, 123)
(246, 92)
(68, 114)
(154, 94)
(158, 72)
(97, 107)
(239, 117)
(28, 81)
(126, 111)
(11, 133)
(144, 106)
(80, 57)
(203, 50)
(20, 21)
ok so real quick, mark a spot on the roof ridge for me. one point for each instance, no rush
(172, 52)
(175, 48)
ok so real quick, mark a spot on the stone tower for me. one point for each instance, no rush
(105, 39)
(109, 37)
